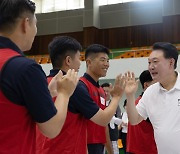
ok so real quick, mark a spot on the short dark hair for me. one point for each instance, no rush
(11, 10)
(105, 85)
(145, 76)
(62, 46)
(169, 50)
(96, 48)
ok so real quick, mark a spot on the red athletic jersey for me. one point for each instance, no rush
(140, 138)
(71, 140)
(17, 130)
(95, 133)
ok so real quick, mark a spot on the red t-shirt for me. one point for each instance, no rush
(17, 129)
(71, 140)
(95, 132)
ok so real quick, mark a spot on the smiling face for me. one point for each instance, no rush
(159, 66)
(98, 65)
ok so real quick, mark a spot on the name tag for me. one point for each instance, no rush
(102, 100)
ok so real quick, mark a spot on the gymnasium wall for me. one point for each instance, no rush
(120, 25)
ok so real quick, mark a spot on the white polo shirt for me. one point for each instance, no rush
(163, 109)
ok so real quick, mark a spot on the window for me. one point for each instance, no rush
(48, 6)
(44, 6)
(60, 5)
(108, 2)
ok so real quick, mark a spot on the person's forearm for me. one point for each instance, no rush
(61, 104)
(53, 126)
(109, 112)
(103, 117)
(133, 115)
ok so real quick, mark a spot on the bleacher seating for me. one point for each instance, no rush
(115, 54)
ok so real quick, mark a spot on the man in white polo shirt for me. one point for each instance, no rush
(161, 101)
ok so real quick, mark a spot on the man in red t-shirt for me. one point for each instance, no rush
(140, 138)
(87, 103)
(25, 97)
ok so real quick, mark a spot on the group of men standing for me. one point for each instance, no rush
(68, 114)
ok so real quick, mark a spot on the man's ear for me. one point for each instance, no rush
(68, 60)
(172, 62)
(25, 24)
(88, 62)
(145, 85)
